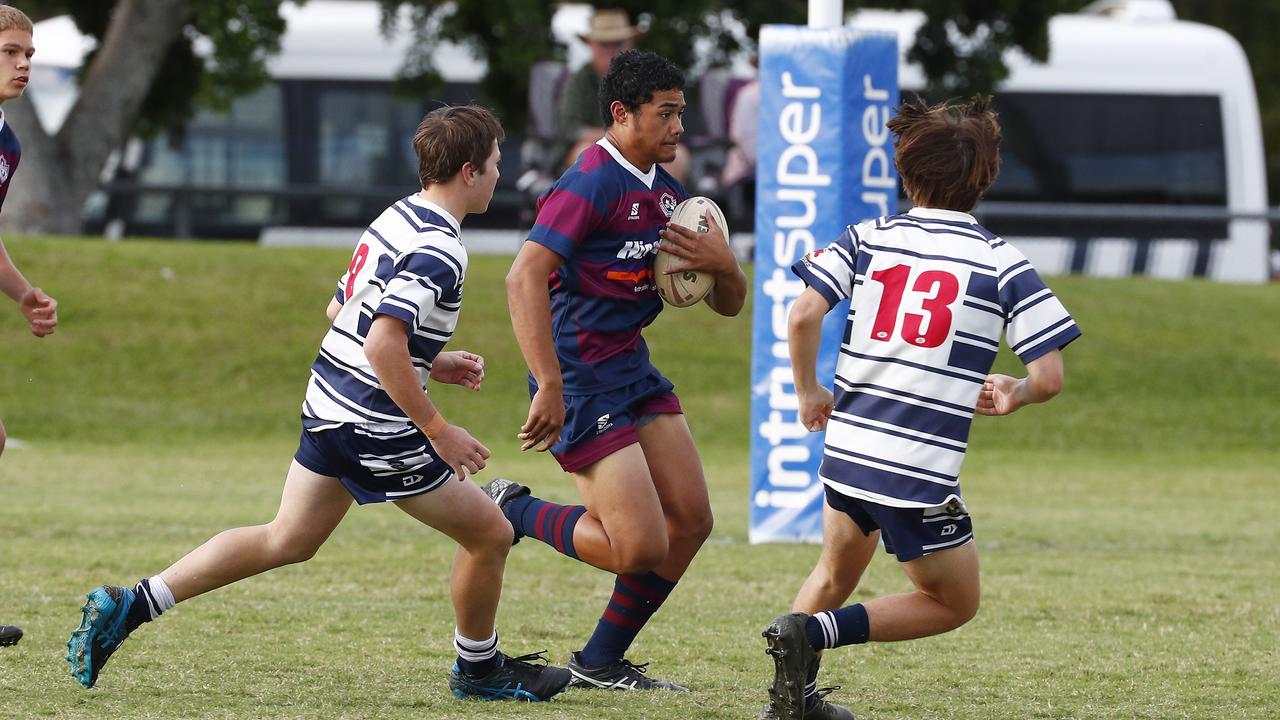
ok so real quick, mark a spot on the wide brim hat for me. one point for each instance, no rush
(609, 26)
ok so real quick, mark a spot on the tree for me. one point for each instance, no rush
(960, 46)
(144, 76)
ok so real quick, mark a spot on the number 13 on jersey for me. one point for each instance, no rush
(904, 290)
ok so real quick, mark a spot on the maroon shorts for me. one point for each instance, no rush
(596, 426)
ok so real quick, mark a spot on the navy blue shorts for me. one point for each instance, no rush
(596, 426)
(376, 463)
(908, 533)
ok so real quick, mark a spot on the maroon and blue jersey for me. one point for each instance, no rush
(10, 153)
(603, 216)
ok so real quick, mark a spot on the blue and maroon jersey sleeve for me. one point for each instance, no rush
(10, 154)
(574, 208)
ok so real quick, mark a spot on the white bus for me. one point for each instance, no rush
(1135, 150)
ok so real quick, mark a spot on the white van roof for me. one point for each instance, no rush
(323, 39)
(1116, 47)
(343, 40)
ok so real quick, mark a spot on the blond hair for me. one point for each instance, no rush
(11, 18)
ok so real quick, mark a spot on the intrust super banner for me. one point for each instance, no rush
(825, 161)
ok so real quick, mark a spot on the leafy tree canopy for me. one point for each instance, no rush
(960, 46)
(240, 36)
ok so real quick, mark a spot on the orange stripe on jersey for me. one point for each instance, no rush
(635, 277)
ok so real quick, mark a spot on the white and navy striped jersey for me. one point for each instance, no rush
(409, 264)
(931, 290)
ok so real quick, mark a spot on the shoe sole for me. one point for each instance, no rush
(80, 642)
(789, 672)
(10, 640)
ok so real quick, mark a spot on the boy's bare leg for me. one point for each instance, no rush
(846, 552)
(647, 504)
(465, 513)
(682, 490)
(946, 597)
(623, 530)
(311, 506)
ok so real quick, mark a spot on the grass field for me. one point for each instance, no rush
(1128, 530)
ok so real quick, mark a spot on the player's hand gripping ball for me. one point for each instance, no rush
(684, 288)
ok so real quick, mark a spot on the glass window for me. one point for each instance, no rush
(243, 147)
(1095, 148)
(365, 135)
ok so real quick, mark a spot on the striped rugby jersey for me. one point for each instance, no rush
(931, 291)
(603, 216)
(409, 264)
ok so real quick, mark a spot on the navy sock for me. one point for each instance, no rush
(477, 669)
(548, 522)
(635, 599)
(148, 603)
(836, 628)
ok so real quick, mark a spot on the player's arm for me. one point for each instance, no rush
(530, 309)
(709, 252)
(40, 310)
(331, 312)
(1002, 394)
(804, 337)
(387, 348)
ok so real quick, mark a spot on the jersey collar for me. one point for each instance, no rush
(1, 118)
(422, 202)
(939, 214)
(646, 178)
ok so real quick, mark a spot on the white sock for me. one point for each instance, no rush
(475, 651)
(161, 595)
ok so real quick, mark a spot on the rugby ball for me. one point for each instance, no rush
(682, 289)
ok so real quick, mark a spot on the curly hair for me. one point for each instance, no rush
(633, 77)
(949, 154)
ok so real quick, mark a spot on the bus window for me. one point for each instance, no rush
(1099, 148)
(243, 147)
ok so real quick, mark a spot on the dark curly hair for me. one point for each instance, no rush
(633, 77)
(947, 154)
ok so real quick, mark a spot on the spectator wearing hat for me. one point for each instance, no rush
(581, 119)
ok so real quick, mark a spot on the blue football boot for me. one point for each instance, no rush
(100, 633)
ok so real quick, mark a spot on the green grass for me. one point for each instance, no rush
(1127, 530)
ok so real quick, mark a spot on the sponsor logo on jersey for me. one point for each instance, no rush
(635, 212)
(667, 203)
(4, 170)
(637, 249)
